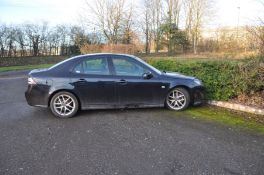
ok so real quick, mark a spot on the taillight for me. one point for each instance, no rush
(31, 81)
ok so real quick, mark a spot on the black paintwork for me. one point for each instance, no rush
(108, 91)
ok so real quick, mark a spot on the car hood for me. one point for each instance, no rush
(177, 75)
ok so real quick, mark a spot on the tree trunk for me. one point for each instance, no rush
(147, 41)
(195, 45)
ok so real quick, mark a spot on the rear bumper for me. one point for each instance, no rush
(37, 95)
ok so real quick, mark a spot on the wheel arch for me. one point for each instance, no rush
(64, 90)
(180, 86)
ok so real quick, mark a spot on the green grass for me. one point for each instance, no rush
(225, 117)
(28, 67)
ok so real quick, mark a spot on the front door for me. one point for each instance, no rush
(131, 87)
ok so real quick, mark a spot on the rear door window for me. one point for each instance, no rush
(93, 66)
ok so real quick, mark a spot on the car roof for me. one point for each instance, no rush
(88, 55)
(96, 54)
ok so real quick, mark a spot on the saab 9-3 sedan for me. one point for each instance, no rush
(103, 81)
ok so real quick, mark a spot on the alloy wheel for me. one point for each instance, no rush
(176, 100)
(64, 105)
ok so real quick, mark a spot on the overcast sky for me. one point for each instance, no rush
(67, 11)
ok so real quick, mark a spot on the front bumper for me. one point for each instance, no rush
(198, 96)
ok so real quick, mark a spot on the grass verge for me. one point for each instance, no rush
(27, 67)
(226, 117)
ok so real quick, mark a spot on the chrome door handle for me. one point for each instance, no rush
(122, 82)
(81, 80)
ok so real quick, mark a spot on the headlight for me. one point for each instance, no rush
(198, 82)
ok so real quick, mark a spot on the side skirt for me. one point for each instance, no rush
(119, 106)
(41, 106)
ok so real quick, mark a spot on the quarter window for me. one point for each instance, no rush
(125, 67)
(93, 66)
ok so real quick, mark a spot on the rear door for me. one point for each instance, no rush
(131, 87)
(94, 83)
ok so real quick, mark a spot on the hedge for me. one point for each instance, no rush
(223, 79)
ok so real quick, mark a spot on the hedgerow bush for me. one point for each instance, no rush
(223, 79)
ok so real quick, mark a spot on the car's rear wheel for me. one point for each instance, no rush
(178, 99)
(64, 104)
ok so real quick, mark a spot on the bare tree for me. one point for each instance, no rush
(63, 31)
(196, 11)
(156, 13)
(35, 39)
(3, 32)
(173, 8)
(20, 39)
(78, 38)
(10, 41)
(257, 31)
(34, 36)
(127, 24)
(44, 32)
(53, 42)
(147, 25)
(109, 15)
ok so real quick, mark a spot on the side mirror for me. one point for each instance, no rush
(147, 75)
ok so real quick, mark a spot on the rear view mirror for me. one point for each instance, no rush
(147, 75)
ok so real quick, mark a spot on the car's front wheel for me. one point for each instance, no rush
(64, 104)
(178, 99)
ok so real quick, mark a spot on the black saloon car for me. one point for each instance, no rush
(100, 81)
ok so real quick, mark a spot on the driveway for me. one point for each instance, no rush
(136, 141)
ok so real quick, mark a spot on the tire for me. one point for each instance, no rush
(178, 99)
(64, 104)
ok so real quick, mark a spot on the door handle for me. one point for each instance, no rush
(122, 82)
(81, 80)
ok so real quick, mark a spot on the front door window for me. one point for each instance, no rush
(124, 67)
